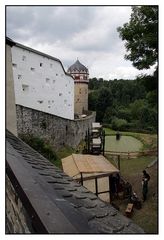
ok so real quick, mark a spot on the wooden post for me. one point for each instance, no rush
(81, 178)
(96, 186)
(103, 142)
(118, 163)
(109, 189)
(88, 141)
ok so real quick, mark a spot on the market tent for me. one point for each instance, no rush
(92, 171)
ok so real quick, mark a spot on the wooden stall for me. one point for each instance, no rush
(92, 171)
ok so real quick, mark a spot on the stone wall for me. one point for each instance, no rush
(17, 218)
(57, 130)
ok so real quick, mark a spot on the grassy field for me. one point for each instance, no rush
(125, 144)
(149, 141)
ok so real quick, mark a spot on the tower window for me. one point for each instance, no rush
(41, 64)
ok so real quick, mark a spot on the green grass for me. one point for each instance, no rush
(131, 171)
(149, 141)
(129, 167)
(125, 144)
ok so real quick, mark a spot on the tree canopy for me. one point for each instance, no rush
(141, 36)
(125, 104)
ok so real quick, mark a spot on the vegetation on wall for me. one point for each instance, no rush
(41, 146)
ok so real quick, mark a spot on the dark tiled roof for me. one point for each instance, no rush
(63, 205)
(77, 66)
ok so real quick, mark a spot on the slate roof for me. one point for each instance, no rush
(61, 204)
(77, 66)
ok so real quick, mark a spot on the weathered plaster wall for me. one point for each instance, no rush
(58, 131)
(41, 83)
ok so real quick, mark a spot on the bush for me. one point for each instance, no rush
(119, 124)
(40, 146)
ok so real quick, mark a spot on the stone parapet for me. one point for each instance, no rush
(59, 131)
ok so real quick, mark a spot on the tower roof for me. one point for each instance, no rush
(77, 66)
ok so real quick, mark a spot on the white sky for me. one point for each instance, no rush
(88, 33)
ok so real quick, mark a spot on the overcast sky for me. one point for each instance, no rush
(87, 33)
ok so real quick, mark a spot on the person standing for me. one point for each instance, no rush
(145, 180)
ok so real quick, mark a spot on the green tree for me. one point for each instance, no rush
(104, 100)
(141, 36)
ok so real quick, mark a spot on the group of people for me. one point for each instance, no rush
(115, 186)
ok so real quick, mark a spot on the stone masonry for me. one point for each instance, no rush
(57, 130)
(17, 219)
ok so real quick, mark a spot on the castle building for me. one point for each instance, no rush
(41, 83)
(81, 78)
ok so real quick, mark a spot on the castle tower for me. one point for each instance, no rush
(81, 78)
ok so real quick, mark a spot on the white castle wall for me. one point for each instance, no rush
(41, 83)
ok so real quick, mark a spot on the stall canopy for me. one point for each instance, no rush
(92, 171)
(94, 165)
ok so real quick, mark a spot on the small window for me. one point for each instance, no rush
(40, 101)
(60, 94)
(41, 64)
(23, 58)
(25, 88)
(14, 65)
(19, 76)
(47, 80)
(49, 106)
(32, 69)
(56, 74)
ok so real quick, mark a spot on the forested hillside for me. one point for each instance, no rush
(126, 104)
